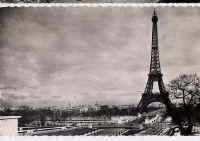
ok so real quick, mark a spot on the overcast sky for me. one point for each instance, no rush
(57, 56)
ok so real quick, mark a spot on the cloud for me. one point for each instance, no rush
(57, 56)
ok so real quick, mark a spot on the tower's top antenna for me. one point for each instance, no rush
(154, 12)
(154, 17)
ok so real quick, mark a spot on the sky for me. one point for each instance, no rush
(83, 55)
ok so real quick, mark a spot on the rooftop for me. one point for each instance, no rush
(9, 117)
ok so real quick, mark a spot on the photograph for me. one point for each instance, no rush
(99, 71)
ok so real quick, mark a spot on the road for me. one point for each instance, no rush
(88, 132)
(73, 132)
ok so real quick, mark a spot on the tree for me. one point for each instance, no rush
(184, 91)
(5, 105)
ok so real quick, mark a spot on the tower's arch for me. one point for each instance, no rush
(142, 106)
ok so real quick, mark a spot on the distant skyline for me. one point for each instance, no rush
(57, 56)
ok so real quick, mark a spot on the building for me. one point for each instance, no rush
(9, 125)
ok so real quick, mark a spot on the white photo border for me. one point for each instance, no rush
(100, 5)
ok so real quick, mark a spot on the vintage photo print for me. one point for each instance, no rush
(99, 71)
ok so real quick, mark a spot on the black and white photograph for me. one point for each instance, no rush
(99, 71)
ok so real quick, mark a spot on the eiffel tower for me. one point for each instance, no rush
(154, 75)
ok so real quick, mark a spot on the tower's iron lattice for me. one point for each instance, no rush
(155, 74)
